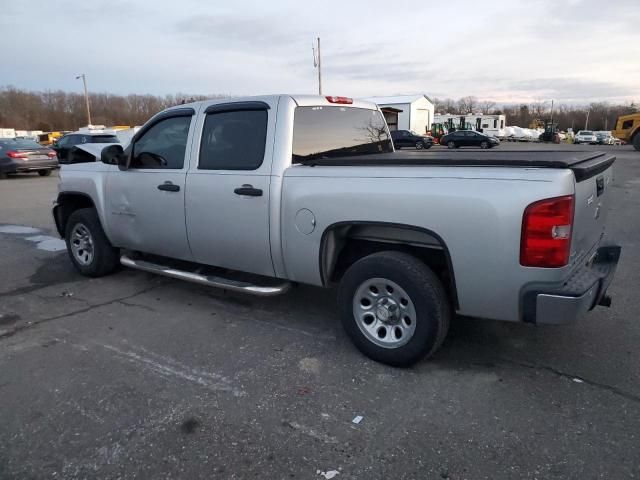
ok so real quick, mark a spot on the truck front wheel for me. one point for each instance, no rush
(89, 248)
(636, 141)
(394, 308)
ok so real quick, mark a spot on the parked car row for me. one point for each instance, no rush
(457, 139)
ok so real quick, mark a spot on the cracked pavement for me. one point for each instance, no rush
(139, 376)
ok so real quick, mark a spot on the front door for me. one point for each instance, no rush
(227, 199)
(146, 202)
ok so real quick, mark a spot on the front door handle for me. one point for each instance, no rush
(169, 187)
(248, 190)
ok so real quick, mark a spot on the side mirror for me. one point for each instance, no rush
(114, 155)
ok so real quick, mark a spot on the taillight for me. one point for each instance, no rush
(13, 154)
(546, 233)
(343, 100)
(51, 154)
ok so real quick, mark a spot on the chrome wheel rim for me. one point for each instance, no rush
(419, 146)
(384, 312)
(81, 243)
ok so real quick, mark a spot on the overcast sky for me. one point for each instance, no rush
(571, 50)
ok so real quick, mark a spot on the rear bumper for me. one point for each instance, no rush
(16, 166)
(585, 289)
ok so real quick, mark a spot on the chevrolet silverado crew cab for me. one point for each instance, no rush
(257, 194)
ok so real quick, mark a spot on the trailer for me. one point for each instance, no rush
(493, 125)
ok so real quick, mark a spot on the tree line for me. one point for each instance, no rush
(59, 110)
(602, 115)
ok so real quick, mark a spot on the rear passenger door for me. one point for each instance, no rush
(227, 195)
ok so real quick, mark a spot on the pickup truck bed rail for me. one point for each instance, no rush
(583, 164)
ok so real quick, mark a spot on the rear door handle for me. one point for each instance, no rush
(169, 187)
(248, 190)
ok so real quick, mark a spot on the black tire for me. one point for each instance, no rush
(451, 144)
(484, 145)
(636, 141)
(44, 173)
(425, 291)
(419, 145)
(427, 146)
(3, 175)
(105, 258)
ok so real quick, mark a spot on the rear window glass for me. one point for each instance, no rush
(333, 132)
(19, 143)
(104, 139)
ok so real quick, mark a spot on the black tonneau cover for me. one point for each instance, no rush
(584, 164)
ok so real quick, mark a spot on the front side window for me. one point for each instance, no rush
(233, 140)
(163, 145)
(627, 124)
(334, 132)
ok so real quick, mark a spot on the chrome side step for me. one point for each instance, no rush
(208, 280)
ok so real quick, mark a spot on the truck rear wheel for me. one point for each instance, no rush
(394, 308)
(89, 248)
(636, 141)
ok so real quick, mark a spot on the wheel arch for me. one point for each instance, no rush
(66, 204)
(345, 242)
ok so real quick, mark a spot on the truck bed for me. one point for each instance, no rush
(584, 164)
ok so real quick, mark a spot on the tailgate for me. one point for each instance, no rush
(593, 185)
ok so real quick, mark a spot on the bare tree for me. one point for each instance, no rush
(467, 105)
(486, 106)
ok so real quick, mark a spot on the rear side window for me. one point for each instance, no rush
(104, 139)
(163, 145)
(233, 140)
(19, 143)
(333, 132)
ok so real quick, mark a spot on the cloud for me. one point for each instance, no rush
(570, 89)
(222, 32)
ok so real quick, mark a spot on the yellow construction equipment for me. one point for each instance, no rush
(628, 129)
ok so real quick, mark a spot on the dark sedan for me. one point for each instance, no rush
(468, 138)
(66, 146)
(408, 138)
(22, 155)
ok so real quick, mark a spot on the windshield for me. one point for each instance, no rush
(19, 143)
(586, 132)
(332, 132)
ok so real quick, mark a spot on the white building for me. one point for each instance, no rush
(416, 112)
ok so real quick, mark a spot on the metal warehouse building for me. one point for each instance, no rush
(415, 112)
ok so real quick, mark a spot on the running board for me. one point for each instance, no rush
(208, 280)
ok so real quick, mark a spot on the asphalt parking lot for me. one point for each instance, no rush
(139, 376)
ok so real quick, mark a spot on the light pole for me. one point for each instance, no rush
(86, 96)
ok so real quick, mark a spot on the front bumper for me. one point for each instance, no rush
(586, 288)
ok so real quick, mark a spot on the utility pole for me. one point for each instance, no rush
(586, 123)
(317, 63)
(86, 96)
(551, 121)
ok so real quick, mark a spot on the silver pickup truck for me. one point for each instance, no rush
(257, 194)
